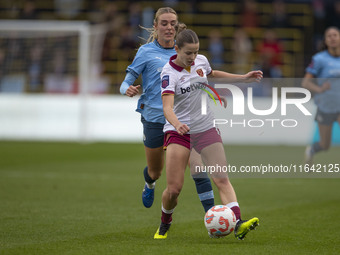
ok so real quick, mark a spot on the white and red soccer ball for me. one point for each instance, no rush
(220, 220)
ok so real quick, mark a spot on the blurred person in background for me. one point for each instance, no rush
(135, 18)
(96, 11)
(269, 60)
(149, 62)
(323, 79)
(13, 62)
(36, 67)
(279, 17)
(107, 13)
(29, 11)
(249, 16)
(335, 17)
(319, 21)
(128, 43)
(242, 48)
(2, 65)
(270, 55)
(68, 9)
(216, 48)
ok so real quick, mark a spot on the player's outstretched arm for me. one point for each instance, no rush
(252, 76)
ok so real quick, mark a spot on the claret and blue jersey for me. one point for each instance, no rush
(149, 62)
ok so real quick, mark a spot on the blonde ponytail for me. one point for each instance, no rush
(180, 27)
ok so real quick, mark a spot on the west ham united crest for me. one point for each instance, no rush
(200, 72)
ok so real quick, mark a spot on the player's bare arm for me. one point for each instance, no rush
(252, 76)
(308, 83)
(168, 108)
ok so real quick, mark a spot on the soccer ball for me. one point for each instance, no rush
(220, 220)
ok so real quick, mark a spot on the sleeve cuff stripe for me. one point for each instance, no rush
(168, 92)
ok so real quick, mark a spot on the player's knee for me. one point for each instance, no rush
(220, 182)
(155, 173)
(174, 192)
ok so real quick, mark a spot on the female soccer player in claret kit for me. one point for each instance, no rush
(149, 61)
(186, 128)
(323, 79)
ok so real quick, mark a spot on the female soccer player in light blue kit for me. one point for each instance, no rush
(186, 128)
(323, 78)
(149, 61)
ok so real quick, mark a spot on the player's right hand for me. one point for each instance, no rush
(132, 90)
(182, 129)
(325, 86)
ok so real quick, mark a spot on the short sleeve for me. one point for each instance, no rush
(138, 64)
(314, 67)
(207, 66)
(168, 84)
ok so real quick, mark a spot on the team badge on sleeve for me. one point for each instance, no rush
(200, 72)
(165, 81)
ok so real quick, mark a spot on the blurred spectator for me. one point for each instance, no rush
(216, 49)
(14, 51)
(12, 64)
(2, 65)
(68, 9)
(170, 3)
(242, 48)
(98, 83)
(270, 55)
(249, 17)
(128, 43)
(279, 17)
(29, 11)
(335, 19)
(35, 67)
(96, 11)
(114, 21)
(113, 17)
(60, 78)
(147, 18)
(193, 6)
(135, 19)
(319, 16)
(59, 61)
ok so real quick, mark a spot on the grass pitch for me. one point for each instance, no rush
(69, 198)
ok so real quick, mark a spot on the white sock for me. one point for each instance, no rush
(232, 204)
(167, 211)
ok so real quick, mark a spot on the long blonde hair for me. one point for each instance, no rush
(153, 33)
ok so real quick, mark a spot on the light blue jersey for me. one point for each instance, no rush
(326, 68)
(149, 62)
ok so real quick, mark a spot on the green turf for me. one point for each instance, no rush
(69, 198)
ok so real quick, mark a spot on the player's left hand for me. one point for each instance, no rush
(225, 102)
(254, 76)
